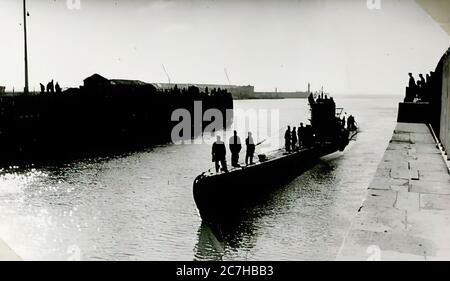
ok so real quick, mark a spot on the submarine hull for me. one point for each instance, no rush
(220, 197)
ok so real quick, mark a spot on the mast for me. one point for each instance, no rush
(168, 77)
(25, 45)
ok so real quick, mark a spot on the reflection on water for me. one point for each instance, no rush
(140, 206)
(237, 238)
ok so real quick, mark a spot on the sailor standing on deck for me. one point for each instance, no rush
(250, 144)
(351, 126)
(218, 155)
(287, 139)
(235, 148)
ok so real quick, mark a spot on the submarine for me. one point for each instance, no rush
(220, 197)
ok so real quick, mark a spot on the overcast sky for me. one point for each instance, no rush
(342, 45)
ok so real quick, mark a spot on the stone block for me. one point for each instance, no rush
(408, 201)
(434, 202)
(432, 187)
(411, 128)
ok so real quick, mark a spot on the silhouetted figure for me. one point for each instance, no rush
(427, 92)
(422, 86)
(351, 126)
(311, 99)
(42, 88)
(58, 88)
(422, 80)
(308, 136)
(50, 87)
(250, 144)
(411, 91)
(287, 139)
(301, 135)
(235, 148)
(219, 154)
(319, 99)
(294, 139)
(412, 81)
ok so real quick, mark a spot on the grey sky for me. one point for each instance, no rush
(341, 45)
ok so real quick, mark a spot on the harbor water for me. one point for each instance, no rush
(139, 206)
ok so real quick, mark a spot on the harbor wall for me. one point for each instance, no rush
(430, 104)
(444, 131)
(104, 116)
(406, 212)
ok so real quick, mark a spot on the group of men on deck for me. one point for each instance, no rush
(296, 139)
(219, 152)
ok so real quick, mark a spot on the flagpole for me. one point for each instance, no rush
(26, 90)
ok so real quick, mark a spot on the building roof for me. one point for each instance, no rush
(98, 79)
(124, 82)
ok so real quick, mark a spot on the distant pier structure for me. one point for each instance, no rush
(427, 101)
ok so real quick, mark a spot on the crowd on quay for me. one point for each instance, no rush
(427, 91)
(191, 91)
(418, 90)
(194, 91)
(51, 88)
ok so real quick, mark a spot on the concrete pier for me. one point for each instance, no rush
(6, 254)
(406, 214)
